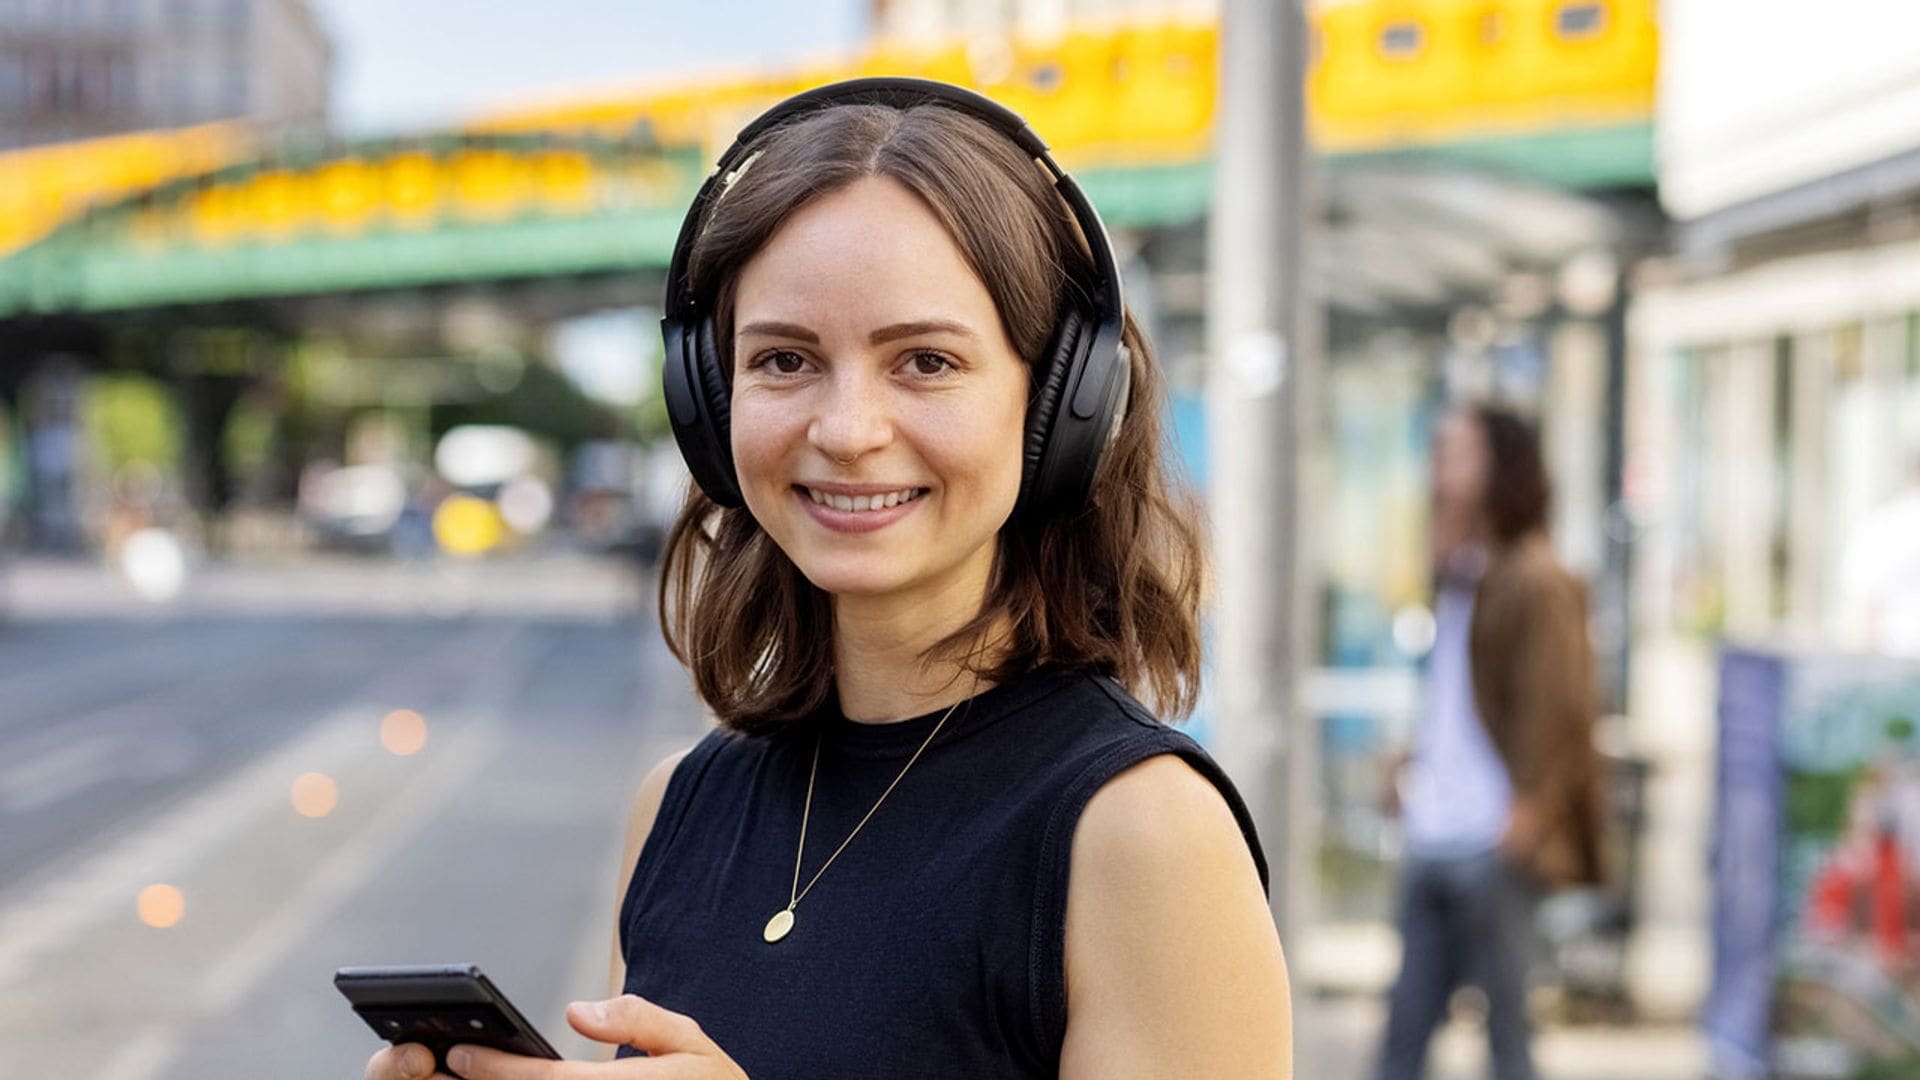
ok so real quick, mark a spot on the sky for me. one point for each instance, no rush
(410, 64)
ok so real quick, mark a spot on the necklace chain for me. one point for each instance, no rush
(797, 894)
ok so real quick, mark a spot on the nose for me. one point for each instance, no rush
(854, 418)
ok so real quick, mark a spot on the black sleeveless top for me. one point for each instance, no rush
(934, 946)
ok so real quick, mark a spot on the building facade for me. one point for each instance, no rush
(75, 69)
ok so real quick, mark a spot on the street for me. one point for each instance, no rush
(145, 746)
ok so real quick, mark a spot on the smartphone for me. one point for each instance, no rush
(439, 1005)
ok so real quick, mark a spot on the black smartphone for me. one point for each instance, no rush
(439, 1005)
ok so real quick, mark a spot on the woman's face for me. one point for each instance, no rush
(878, 407)
(1460, 464)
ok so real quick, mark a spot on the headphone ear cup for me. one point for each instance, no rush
(698, 408)
(711, 384)
(1062, 358)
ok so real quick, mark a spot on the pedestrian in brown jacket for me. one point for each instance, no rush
(1501, 797)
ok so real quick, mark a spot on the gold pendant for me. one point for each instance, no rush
(779, 926)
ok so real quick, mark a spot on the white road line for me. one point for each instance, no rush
(349, 867)
(346, 870)
(143, 1056)
(63, 769)
(95, 888)
(101, 887)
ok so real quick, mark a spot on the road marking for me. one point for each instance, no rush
(93, 888)
(464, 750)
(349, 867)
(143, 1056)
(63, 769)
(103, 885)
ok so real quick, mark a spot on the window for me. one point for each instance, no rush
(1046, 78)
(1580, 20)
(1402, 40)
(1492, 27)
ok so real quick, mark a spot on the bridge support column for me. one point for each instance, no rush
(207, 401)
(43, 399)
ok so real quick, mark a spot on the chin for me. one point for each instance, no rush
(852, 576)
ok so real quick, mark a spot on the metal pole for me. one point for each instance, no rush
(1258, 393)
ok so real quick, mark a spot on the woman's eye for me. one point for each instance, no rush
(784, 362)
(929, 363)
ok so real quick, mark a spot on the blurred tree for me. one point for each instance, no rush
(129, 418)
(543, 402)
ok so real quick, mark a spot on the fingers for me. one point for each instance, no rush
(484, 1063)
(639, 1023)
(408, 1061)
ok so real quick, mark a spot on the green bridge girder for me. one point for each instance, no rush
(99, 264)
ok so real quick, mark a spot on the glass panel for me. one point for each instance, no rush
(1580, 20)
(1401, 40)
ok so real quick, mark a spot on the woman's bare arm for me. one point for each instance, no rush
(1174, 968)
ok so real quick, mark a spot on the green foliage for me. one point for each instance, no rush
(248, 440)
(1816, 803)
(1903, 1068)
(544, 403)
(128, 418)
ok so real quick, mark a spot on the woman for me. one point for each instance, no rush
(936, 834)
(1501, 797)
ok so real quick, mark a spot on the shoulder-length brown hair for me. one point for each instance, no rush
(1519, 497)
(1114, 588)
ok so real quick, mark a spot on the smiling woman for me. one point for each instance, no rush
(830, 415)
(931, 566)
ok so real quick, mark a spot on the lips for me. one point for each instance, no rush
(858, 511)
(861, 503)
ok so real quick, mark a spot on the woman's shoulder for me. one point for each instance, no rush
(1121, 755)
(1091, 704)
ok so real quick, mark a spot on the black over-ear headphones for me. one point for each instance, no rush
(1080, 381)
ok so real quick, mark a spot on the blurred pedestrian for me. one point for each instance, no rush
(1501, 797)
(932, 558)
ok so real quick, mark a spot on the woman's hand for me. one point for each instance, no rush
(675, 1045)
(409, 1061)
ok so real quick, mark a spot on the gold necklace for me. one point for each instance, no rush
(782, 922)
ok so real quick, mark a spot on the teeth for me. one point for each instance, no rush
(859, 503)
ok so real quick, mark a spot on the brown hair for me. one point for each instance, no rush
(1518, 496)
(1114, 588)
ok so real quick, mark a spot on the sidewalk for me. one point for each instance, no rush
(1336, 1039)
(1341, 974)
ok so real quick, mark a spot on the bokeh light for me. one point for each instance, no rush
(465, 525)
(403, 732)
(155, 564)
(315, 794)
(161, 906)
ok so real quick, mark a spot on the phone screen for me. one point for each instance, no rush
(439, 1006)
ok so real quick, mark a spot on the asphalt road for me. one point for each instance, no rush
(147, 745)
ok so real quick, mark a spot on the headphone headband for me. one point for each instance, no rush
(896, 93)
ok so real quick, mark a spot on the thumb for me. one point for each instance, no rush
(634, 1021)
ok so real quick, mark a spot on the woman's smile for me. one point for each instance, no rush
(878, 408)
(851, 509)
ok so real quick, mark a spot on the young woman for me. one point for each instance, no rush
(1503, 792)
(931, 559)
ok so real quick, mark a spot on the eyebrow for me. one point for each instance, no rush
(796, 332)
